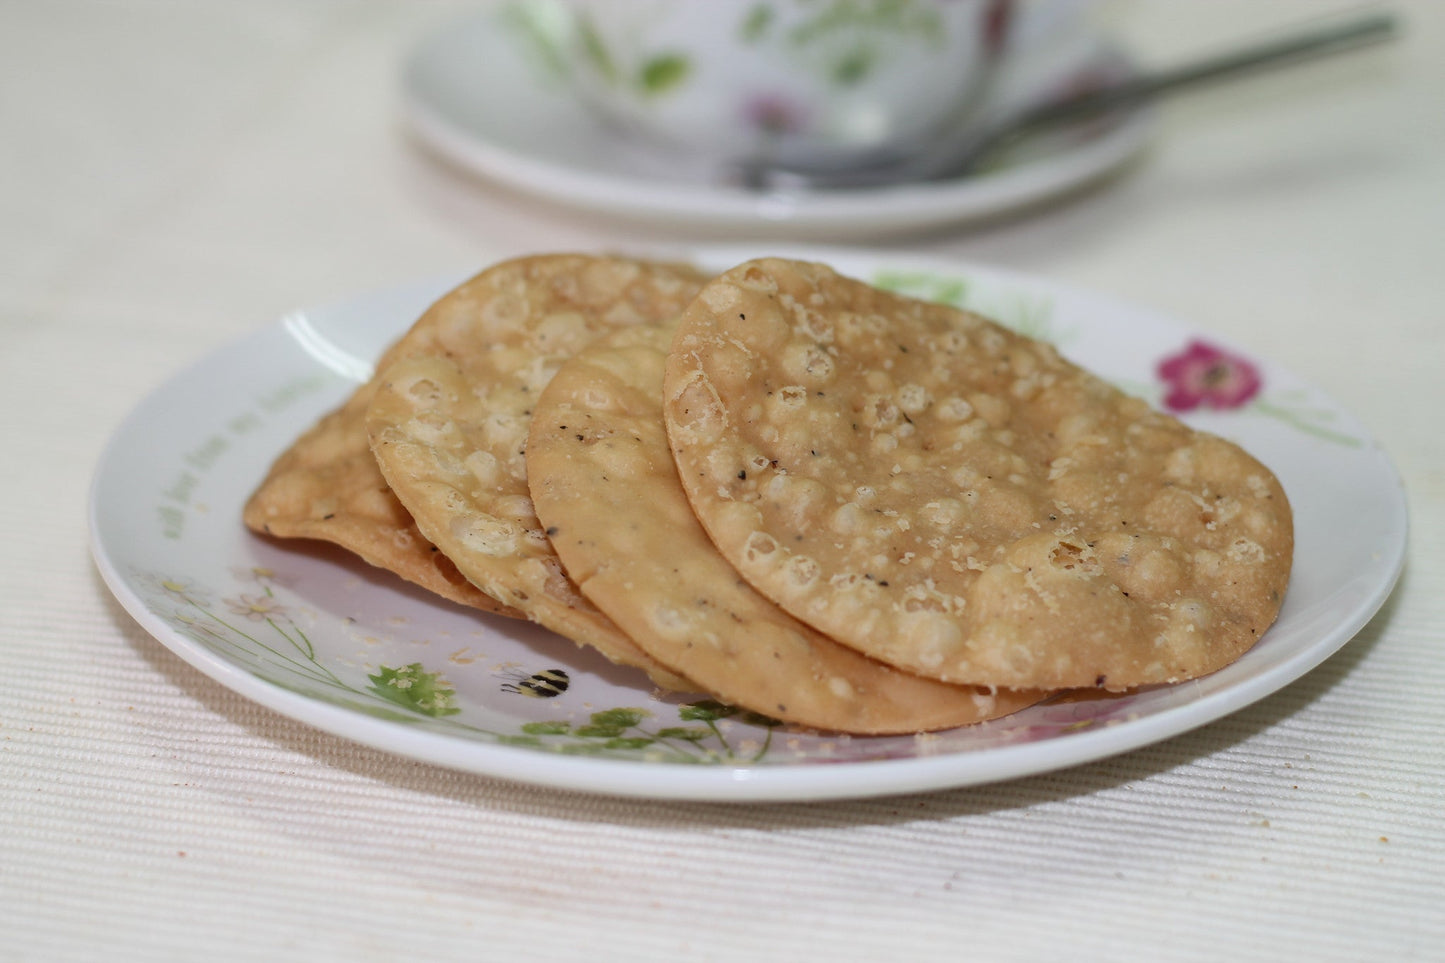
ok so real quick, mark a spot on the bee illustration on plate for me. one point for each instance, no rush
(547, 684)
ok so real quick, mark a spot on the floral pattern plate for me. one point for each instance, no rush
(491, 94)
(327, 640)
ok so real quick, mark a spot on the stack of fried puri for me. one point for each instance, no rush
(803, 495)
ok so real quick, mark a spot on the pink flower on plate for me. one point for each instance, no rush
(1204, 375)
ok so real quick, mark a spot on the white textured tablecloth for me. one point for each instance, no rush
(173, 174)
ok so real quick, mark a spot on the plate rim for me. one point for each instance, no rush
(771, 782)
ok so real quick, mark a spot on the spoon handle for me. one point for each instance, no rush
(962, 154)
(1336, 38)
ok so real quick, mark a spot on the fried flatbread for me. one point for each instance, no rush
(604, 484)
(326, 486)
(949, 497)
(448, 422)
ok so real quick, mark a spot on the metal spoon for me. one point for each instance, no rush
(960, 155)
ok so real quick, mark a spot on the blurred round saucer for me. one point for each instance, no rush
(490, 93)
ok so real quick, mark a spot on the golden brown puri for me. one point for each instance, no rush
(605, 487)
(327, 486)
(448, 422)
(954, 499)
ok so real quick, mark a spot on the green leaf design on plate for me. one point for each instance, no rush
(687, 733)
(619, 718)
(546, 728)
(708, 710)
(1030, 315)
(629, 742)
(1305, 418)
(945, 289)
(417, 689)
(526, 742)
(610, 723)
(758, 719)
(599, 732)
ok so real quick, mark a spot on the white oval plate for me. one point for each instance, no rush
(325, 639)
(481, 95)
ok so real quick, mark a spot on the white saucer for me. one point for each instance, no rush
(323, 638)
(479, 94)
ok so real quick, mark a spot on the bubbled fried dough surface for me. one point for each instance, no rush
(448, 422)
(326, 486)
(604, 485)
(954, 499)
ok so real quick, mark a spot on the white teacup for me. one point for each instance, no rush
(795, 81)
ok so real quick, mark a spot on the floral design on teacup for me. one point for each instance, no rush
(814, 76)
